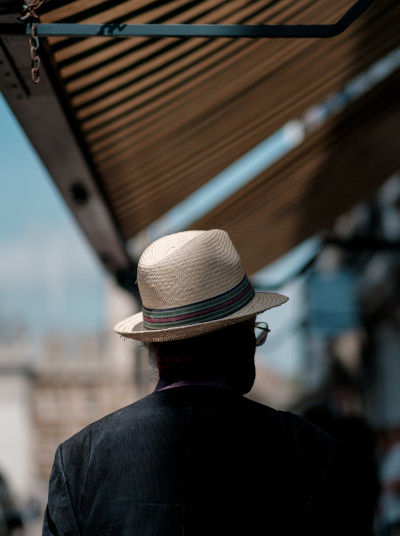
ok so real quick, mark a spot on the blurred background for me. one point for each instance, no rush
(290, 145)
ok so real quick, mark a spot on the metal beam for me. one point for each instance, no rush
(43, 112)
(118, 30)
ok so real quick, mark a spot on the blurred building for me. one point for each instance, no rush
(48, 394)
(348, 379)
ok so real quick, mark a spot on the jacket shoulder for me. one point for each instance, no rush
(297, 429)
(81, 442)
(314, 451)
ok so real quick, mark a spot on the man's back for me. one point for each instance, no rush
(194, 460)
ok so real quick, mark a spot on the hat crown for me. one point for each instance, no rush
(188, 267)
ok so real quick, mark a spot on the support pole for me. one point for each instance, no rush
(118, 30)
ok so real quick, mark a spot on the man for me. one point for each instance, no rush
(195, 457)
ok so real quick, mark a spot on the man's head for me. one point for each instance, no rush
(192, 283)
(225, 355)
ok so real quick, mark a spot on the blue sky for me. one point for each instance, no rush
(49, 277)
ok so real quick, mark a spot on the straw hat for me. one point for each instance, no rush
(192, 283)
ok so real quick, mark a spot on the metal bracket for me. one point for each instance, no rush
(193, 30)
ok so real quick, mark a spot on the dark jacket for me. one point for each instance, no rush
(200, 460)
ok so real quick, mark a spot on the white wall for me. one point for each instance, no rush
(16, 433)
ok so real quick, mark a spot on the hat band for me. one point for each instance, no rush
(214, 308)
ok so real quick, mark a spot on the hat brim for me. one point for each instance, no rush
(132, 327)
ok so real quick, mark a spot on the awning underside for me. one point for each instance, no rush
(336, 167)
(161, 117)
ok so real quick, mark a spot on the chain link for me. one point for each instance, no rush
(29, 10)
(29, 15)
(33, 53)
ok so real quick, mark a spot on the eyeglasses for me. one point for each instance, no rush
(261, 331)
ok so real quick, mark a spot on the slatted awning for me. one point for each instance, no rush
(158, 118)
(336, 167)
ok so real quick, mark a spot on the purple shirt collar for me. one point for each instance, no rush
(163, 385)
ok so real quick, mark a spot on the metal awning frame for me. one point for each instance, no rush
(58, 143)
(118, 30)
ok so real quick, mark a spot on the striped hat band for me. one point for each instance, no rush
(203, 311)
